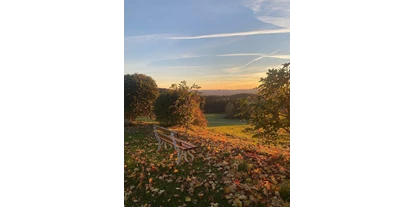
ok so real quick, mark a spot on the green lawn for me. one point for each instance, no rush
(215, 120)
(234, 127)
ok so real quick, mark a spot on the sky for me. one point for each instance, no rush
(215, 44)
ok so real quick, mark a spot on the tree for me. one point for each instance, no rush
(140, 93)
(164, 108)
(181, 106)
(269, 111)
(188, 105)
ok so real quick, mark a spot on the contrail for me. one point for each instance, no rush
(257, 59)
(258, 32)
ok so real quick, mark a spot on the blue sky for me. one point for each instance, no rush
(216, 44)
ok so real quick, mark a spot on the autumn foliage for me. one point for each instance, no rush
(181, 105)
(226, 171)
(269, 111)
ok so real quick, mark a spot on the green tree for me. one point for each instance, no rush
(164, 108)
(140, 93)
(180, 106)
(269, 111)
(188, 105)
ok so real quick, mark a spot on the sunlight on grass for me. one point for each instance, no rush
(233, 130)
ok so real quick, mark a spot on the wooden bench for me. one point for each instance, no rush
(170, 138)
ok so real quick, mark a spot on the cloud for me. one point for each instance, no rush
(262, 69)
(286, 57)
(257, 59)
(278, 21)
(256, 54)
(266, 6)
(236, 69)
(258, 32)
(253, 4)
(240, 54)
(153, 37)
(148, 37)
(183, 66)
(263, 55)
(274, 12)
(252, 61)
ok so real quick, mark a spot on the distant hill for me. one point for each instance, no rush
(227, 92)
(219, 92)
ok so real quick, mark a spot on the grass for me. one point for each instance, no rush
(226, 171)
(215, 120)
(217, 123)
(146, 120)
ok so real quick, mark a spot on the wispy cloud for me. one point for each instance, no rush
(278, 21)
(262, 55)
(286, 57)
(253, 4)
(257, 32)
(255, 54)
(274, 12)
(148, 37)
(153, 37)
(239, 54)
(236, 69)
(257, 59)
(266, 6)
(185, 56)
(183, 66)
(262, 69)
(251, 62)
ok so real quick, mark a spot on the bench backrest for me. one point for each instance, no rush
(164, 131)
(161, 132)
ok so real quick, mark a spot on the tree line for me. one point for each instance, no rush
(268, 111)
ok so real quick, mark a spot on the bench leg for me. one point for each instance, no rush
(165, 146)
(179, 156)
(184, 153)
(160, 142)
(185, 156)
(192, 156)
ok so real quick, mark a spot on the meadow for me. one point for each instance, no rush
(229, 169)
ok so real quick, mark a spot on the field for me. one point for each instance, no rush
(229, 127)
(219, 120)
(229, 169)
